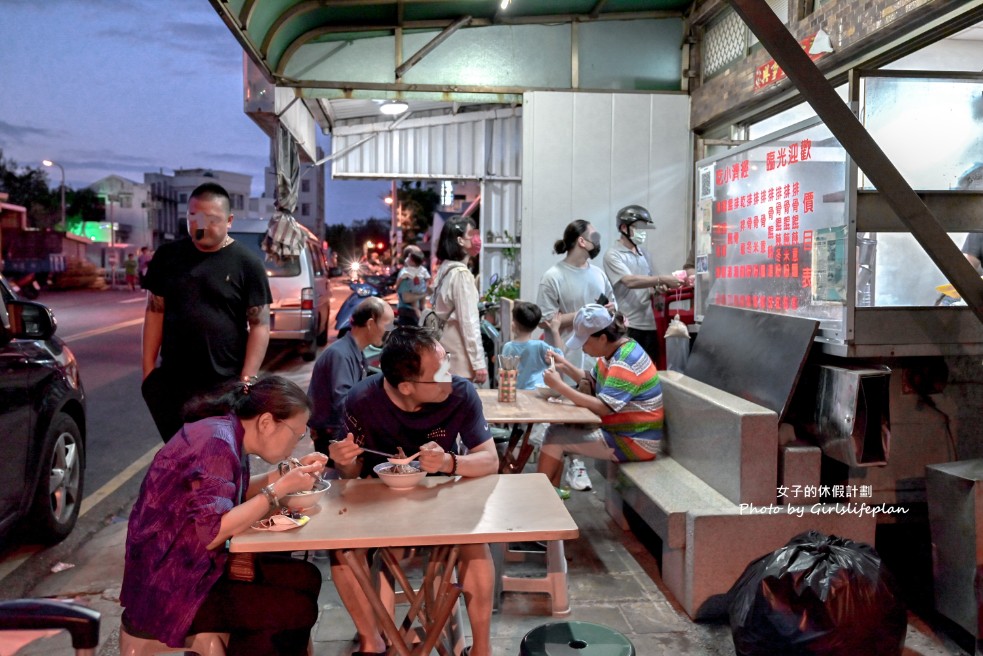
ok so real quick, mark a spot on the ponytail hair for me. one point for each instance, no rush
(277, 395)
(571, 234)
(616, 330)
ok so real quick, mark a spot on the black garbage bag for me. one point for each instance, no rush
(818, 595)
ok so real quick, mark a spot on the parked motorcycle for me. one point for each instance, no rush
(362, 287)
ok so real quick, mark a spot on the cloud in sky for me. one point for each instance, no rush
(16, 133)
(132, 86)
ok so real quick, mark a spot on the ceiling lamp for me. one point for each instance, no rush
(393, 107)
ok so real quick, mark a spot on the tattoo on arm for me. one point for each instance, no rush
(155, 303)
(258, 315)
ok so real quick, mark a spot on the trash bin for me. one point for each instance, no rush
(575, 639)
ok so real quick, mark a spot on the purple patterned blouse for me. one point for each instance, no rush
(196, 478)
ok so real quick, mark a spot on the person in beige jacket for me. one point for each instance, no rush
(455, 299)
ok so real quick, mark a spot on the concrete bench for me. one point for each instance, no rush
(712, 498)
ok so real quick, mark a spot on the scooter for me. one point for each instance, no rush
(362, 287)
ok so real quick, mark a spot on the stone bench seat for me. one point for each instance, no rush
(712, 499)
(662, 491)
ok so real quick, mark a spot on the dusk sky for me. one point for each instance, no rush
(131, 86)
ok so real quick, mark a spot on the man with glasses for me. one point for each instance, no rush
(208, 312)
(417, 405)
(342, 365)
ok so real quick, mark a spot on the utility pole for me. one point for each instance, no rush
(49, 162)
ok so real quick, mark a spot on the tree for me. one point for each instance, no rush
(346, 241)
(30, 190)
(83, 205)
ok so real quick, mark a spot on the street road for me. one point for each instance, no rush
(103, 329)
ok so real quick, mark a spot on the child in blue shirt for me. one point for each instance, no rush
(531, 352)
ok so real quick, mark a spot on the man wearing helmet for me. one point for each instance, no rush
(630, 273)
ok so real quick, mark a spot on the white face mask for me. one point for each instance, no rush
(638, 236)
(443, 374)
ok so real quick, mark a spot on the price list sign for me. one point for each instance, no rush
(763, 214)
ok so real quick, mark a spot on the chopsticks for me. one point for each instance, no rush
(378, 453)
(508, 362)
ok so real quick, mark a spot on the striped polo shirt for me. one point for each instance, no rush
(628, 383)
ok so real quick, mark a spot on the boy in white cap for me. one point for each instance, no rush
(625, 391)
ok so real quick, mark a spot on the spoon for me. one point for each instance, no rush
(404, 461)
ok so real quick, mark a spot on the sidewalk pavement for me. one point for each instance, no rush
(613, 580)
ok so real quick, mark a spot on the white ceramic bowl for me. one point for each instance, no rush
(547, 392)
(307, 499)
(399, 481)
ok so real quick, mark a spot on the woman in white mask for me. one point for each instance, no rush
(572, 283)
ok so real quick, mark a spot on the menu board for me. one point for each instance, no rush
(771, 223)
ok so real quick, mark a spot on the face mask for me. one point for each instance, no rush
(596, 240)
(475, 247)
(636, 236)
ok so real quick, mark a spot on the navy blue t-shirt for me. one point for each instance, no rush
(377, 423)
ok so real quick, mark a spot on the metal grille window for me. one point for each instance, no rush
(725, 42)
(780, 7)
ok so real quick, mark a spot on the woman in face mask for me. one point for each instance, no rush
(455, 299)
(574, 282)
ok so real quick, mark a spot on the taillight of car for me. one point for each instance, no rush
(307, 298)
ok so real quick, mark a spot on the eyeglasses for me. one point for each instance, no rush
(304, 433)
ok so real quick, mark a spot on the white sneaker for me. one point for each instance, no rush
(577, 477)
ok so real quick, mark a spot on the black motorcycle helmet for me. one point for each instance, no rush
(633, 213)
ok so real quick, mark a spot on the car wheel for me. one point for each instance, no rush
(322, 338)
(309, 350)
(59, 492)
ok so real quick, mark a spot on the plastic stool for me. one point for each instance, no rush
(575, 638)
(554, 583)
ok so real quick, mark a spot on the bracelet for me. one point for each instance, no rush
(454, 463)
(248, 379)
(270, 493)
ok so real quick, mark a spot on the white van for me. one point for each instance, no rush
(301, 305)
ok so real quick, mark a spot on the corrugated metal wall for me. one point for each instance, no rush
(484, 146)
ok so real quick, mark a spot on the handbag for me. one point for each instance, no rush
(430, 319)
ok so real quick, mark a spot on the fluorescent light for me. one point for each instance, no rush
(505, 4)
(393, 107)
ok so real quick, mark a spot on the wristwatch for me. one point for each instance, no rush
(270, 493)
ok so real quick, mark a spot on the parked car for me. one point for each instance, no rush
(301, 305)
(42, 423)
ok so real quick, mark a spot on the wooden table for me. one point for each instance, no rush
(441, 512)
(528, 409)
